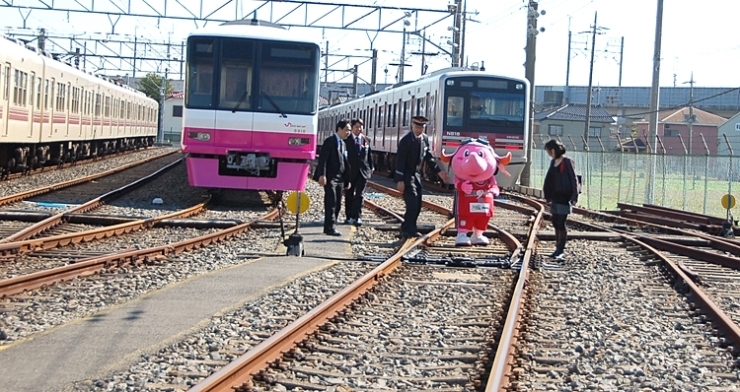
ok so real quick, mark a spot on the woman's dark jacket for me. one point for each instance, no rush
(561, 183)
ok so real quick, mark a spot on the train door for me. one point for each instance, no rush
(5, 96)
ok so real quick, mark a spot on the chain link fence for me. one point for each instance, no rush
(689, 183)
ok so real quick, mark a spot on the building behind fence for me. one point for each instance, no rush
(693, 183)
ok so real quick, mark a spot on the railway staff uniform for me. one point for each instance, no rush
(361, 169)
(413, 148)
(332, 172)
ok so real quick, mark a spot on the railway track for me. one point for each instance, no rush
(381, 322)
(46, 169)
(86, 193)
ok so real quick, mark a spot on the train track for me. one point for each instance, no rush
(46, 169)
(374, 315)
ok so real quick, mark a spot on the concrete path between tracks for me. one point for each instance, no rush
(112, 340)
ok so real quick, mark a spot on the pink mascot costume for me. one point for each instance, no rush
(475, 165)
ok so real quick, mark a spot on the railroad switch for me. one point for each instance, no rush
(298, 203)
(463, 261)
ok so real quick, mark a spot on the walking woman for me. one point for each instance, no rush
(561, 190)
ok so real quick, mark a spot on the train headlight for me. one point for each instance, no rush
(298, 141)
(200, 136)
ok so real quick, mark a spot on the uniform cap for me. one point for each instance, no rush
(420, 120)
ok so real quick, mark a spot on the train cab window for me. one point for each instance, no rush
(455, 110)
(199, 76)
(288, 80)
(237, 64)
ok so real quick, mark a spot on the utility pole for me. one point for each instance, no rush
(133, 71)
(690, 118)
(464, 15)
(403, 54)
(374, 75)
(456, 32)
(654, 96)
(621, 60)
(354, 80)
(591, 78)
(326, 64)
(42, 39)
(531, 51)
(163, 91)
(566, 98)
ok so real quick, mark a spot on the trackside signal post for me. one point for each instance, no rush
(296, 203)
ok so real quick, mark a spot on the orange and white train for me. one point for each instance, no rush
(52, 113)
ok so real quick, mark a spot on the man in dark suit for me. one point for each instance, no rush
(332, 172)
(413, 148)
(361, 168)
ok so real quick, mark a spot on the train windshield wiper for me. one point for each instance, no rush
(282, 114)
(239, 103)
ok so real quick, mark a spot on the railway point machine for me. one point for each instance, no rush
(297, 203)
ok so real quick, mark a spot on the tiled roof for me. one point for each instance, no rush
(576, 112)
(176, 95)
(702, 117)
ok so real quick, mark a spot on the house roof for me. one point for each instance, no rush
(576, 112)
(679, 117)
(176, 95)
(702, 117)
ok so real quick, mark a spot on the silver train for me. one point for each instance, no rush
(459, 103)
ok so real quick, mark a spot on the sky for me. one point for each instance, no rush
(699, 37)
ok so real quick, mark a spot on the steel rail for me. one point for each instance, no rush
(46, 189)
(260, 357)
(504, 359)
(90, 266)
(37, 244)
(81, 162)
(52, 221)
(271, 350)
(716, 242)
(726, 325)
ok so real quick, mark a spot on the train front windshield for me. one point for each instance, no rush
(240, 74)
(484, 105)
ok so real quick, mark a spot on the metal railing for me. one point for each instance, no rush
(694, 183)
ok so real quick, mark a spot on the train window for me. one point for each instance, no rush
(38, 93)
(426, 107)
(370, 118)
(199, 76)
(20, 89)
(107, 106)
(237, 64)
(406, 107)
(97, 105)
(419, 106)
(455, 110)
(288, 79)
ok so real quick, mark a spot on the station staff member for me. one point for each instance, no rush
(332, 172)
(361, 169)
(413, 148)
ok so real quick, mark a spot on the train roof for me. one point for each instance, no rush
(248, 29)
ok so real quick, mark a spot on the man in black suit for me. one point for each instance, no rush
(413, 148)
(332, 172)
(361, 168)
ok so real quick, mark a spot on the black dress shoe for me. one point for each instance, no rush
(410, 235)
(333, 232)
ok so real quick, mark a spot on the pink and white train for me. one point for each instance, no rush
(52, 113)
(251, 107)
